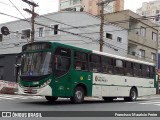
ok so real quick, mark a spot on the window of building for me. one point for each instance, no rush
(153, 56)
(40, 32)
(54, 29)
(154, 36)
(143, 31)
(76, 1)
(109, 36)
(25, 34)
(142, 53)
(1, 37)
(64, 4)
(119, 39)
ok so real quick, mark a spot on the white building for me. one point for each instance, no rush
(76, 28)
(151, 8)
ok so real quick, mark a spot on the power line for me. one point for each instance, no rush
(48, 26)
(53, 28)
(115, 22)
(17, 9)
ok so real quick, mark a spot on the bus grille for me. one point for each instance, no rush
(30, 90)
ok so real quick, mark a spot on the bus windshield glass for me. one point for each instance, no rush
(36, 64)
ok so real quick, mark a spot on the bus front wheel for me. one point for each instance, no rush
(78, 96)
(51, 98)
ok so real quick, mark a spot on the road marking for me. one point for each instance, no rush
(14, 97)
(149, 103)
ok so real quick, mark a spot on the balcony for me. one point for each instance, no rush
(133, 37)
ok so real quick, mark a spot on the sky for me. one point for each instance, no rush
(46, 6)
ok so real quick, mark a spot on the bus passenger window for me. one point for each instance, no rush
(128, 70)
(119, 67)
(95, 63)
(107, 65)
(80, 61)
(78, 65)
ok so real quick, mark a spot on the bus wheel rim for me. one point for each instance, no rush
(79, 94)
(133, 95)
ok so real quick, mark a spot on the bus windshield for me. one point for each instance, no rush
(36, 64)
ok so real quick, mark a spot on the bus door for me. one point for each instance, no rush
(62, 63)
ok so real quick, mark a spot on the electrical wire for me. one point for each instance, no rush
(48, 27)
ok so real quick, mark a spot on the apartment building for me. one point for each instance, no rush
(151, 8)
(90, 6)
(142, 36)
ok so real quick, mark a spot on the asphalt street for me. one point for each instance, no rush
(37, 103)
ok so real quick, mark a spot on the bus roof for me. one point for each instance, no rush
(123, 58)
(106, 54)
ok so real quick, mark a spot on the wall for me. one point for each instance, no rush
(7, 62)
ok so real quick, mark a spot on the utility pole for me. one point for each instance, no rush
(102, 4)
(33, 16)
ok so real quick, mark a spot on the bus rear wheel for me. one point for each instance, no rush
(133, 95)
(78, 95)
(51, 98)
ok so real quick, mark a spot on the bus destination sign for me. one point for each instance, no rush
(36, 46)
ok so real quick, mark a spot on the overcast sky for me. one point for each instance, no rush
(46, 6)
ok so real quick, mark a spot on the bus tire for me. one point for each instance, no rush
(51, 98)
(78, 96)
(133, 95)
(108, 99)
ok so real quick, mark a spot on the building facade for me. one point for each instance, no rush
(75, 28)
(142, 36)
(151, 8)
(90, 6)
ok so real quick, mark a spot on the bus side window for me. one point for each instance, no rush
(137, 70)
(80, 61)
(107, 65)
(62, 61)
(118, 69)
(128, 69)
(95, 63)
(152, 72)
(145, 71)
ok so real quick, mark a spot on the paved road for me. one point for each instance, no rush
(37, 103)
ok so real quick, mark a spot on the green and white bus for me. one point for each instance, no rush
(53, 70)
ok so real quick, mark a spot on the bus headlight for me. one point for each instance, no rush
(45, 83)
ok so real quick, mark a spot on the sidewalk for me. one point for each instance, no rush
(7, 87)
